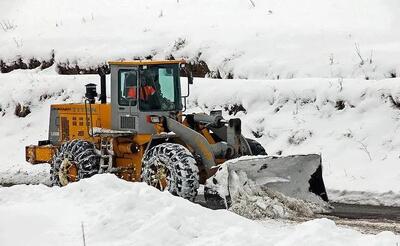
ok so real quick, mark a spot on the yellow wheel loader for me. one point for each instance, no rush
(144, 135)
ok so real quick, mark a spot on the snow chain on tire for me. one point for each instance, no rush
(182, 176)
(79, 152)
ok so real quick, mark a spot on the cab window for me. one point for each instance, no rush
(127, 87)
(159, 88)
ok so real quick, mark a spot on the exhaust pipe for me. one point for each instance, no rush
(103, 92)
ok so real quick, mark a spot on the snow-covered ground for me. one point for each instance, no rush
(115, 212)
(353, 123)
(248, 38)
(321, 51)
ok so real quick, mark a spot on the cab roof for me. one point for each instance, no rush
(145, 62)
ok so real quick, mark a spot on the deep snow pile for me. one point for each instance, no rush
(267, 203)
(244, 38)
(115, 212)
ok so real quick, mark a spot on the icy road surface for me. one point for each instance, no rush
(116, 212)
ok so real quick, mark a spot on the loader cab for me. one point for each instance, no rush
(143, 88)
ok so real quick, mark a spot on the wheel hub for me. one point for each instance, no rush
(67, 172)
(160, 177)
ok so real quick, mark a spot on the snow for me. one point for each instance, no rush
(116, 212)
(359, 144)
(320, 51)
(38, 90)
(256, 192)
(270, 39)
(389, 198)
(257, 40)
(267, 203)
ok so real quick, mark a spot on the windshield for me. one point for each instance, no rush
(159, 88)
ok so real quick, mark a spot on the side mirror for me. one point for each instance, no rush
(190, 78)
(188, 73)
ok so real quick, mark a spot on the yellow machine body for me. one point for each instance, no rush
(77, 121)
(39, 154)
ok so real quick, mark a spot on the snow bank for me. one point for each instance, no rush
(249, 39)
(37, 90)
(353, 124)
(389, 198)
(115, 212)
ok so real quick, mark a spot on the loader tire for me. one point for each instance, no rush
(78, 154)
(170, 166)
(255, 147)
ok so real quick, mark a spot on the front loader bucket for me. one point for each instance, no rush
(297, 176)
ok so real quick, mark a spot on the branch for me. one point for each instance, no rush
(252, 3)
(359, 54)
(364, 147)
(83, 234)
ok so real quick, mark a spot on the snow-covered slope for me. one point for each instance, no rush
(352, 123)
(247, 38)
(115, 212)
